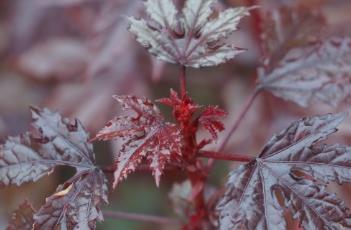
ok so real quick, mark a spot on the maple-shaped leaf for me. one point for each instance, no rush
(209, 119)
(56, 141)
(22, 218)
(316, 72)
(75, 205)
(29, 157)
(285, 167)
(190, 37)
(145, 136)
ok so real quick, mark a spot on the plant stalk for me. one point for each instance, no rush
(182, 80)
(140, 217)
(225, 156)
(239, 119)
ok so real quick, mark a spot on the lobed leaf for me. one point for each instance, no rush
(189, 38)
(27, 158)
(76, 203)
(316, 72)
(145, 136)
(57, 141)
(251, 200)
(22, 218)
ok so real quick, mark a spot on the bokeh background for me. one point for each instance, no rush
(73, 55)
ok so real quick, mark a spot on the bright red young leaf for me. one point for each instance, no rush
(22, 218)
(56, 141)
(285, 166)
(185, 111)
(209, 119)
(319, 71)
(146, 136)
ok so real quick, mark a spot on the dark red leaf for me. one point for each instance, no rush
(56, 141)
(76, 203)
(289, 27)
(316, 72)
(250, 201)
(145, 136)
(190, 37)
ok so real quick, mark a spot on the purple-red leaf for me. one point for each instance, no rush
(76, 203)
(189, 37)
(22, 218)
(250, 201)
(288, 27)
(55, 141)
(319, 71)
(145, 136)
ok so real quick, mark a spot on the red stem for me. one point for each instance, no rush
(140, 217)
(237, 122)
(225, 156)
(182, 80)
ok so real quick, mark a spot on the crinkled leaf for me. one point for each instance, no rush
(190, 38)
(317, 72)
(22, 218)
(251, 201)
(76, 203)
(56, 141)
(145, 136)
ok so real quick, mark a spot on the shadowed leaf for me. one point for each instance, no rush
(22, 218)
(76, 203)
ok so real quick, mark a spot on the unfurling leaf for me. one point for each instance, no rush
(145, 136)
(285, 166)
(76, 203)
(190, 37)
(27, 158)
(22, 218)
(319, 71)
(57, 141)
(209, 119)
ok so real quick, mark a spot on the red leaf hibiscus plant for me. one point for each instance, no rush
(291, 172)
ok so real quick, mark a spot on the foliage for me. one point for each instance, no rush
(292, 174)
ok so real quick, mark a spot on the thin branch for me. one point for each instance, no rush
(225, 156)
(140, 217)
(237, 122)
(143, 168)
(182, 79)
